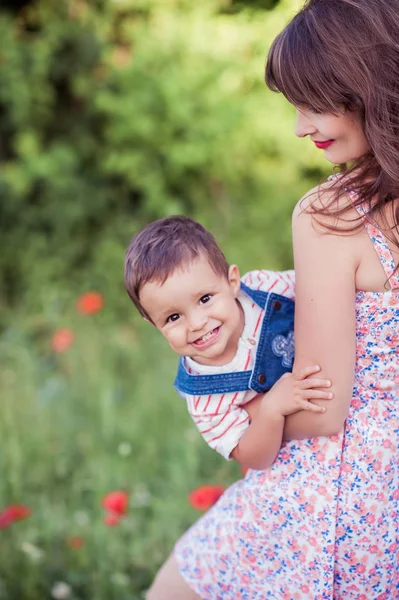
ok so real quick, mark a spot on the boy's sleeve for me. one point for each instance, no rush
(279, 282)
(220, 421)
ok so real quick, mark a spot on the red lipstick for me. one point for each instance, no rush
(323, 145)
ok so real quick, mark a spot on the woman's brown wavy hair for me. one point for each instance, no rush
(337, 54)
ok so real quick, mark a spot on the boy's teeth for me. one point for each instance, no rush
(206, 336)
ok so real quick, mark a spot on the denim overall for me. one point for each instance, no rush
(274, 356)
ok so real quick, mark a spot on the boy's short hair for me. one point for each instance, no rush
(162, 247)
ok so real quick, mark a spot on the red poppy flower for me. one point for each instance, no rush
(12, 514)
(205, 496)
(76, 542)
(90, 303)
(111, 519)
(62, 339)
(116, 502)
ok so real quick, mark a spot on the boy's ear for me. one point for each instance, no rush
(234, 279)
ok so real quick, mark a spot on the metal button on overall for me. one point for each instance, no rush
(261, 378)
(277, 305)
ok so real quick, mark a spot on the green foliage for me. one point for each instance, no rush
(113, 114)
(236, 5)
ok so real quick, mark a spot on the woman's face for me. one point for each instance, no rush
(340, 136)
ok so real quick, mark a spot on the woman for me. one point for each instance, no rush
(321, 523)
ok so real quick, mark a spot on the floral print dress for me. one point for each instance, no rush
(323, 522)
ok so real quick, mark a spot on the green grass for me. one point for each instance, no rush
(102, 416)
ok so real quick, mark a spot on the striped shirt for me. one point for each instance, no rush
(221, 418)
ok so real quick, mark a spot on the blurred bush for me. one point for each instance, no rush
(116, 113)
(113, 113)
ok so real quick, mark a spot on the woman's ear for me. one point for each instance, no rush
(234, 279)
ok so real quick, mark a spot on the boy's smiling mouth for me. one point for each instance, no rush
(207, 339)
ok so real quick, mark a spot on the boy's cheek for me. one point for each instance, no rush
(174, 340)
(176, 343)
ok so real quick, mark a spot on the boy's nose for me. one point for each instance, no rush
(197, 320)
(303, 125)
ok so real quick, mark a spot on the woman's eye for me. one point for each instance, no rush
(315, 111)
(310, 109)
(172, 318)
(205, 299)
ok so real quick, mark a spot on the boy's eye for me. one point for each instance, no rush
(205, 299)
(172, 318)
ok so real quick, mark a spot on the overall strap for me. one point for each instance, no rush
(258, 296)
(218, 383)
(380, 244)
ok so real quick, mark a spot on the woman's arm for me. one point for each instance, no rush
(261, 441)
(325, 321)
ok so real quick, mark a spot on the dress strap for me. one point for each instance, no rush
(380, 244)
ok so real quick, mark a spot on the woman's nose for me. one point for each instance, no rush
(303, 125)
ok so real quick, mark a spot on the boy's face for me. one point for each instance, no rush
(197, 311)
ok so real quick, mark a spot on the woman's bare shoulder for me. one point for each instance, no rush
(328, 205)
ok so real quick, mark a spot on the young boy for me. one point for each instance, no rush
(234, 337)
